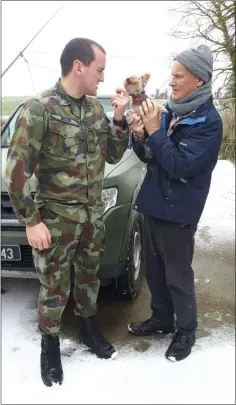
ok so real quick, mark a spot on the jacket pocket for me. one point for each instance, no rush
(177, 188)
(65, 140)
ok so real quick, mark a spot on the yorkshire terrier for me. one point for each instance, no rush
(135, 86)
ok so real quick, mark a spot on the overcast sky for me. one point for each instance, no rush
(134, 35)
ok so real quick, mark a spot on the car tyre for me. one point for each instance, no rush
(130, 281)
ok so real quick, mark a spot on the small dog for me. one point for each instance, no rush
(135, 86)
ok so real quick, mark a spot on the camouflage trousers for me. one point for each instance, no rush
(71, 243)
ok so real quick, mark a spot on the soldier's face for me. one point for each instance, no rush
(93, 74)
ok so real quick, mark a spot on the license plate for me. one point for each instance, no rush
(10, 253)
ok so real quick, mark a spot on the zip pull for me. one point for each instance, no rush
(170, 189)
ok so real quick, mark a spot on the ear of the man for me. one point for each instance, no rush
(77, 65)
(200, 83)
(145, 78)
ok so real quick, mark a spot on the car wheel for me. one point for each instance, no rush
(130, 282)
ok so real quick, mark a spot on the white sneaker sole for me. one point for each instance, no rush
(172, 358)
(129, 328)
(157, 331)
(114, 355)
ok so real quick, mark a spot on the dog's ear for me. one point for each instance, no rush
(145, 79)
(127, 82)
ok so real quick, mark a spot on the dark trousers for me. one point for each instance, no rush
(168, 253)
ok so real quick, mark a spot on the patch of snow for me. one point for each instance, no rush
(217, 224)
(133, 377)
(206, 376)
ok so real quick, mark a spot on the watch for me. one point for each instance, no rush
(140, 139)
(137, 138)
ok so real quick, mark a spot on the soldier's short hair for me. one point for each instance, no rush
(78, 48)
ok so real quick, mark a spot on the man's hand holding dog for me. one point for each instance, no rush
(137, 127)
(120, 101)
(151, 116)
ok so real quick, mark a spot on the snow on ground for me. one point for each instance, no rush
(217, 224)
(207, 376)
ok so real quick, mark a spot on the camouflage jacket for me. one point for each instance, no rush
(66, 148)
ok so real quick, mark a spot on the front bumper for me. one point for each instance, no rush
(112, 264)
(105, 272)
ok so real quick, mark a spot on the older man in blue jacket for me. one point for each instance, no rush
(183, 150)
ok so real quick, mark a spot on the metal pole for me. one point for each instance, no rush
(21, 52)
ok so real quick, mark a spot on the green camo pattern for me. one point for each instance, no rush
(80, 244)
(66, 148)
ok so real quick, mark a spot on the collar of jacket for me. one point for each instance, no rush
(201, 112)
(63, 96)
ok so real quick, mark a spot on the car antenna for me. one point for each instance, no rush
(21, 52)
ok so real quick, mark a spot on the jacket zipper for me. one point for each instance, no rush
(170, 189)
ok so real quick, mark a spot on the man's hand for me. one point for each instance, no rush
(38, 236)
(120, 101)
(137, 127)
(151, 116)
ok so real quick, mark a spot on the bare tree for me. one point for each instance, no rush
(214, 23)
(160, 95)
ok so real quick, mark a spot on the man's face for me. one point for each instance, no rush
(182, 81)
(93, 74)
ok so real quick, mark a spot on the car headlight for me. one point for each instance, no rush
(109, 197)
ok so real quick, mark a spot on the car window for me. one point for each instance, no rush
(9, 129)
(10, 126)
(109, 111)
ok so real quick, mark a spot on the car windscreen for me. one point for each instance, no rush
(106, 103)
(9, 127)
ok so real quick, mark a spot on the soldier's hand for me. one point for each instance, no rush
(38, 236)
(120, 101)
(137, 127)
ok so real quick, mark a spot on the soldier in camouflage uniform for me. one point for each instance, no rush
(64, 138)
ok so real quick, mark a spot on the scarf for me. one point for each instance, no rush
(192, 101)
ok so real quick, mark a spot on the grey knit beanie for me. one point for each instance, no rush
(199, 61)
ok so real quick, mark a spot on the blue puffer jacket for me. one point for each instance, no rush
(178, 177)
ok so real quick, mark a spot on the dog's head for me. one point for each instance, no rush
(135, 84)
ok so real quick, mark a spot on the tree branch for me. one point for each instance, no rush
(214, 22)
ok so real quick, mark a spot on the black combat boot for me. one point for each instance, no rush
(94, 340)
(181, 345)
(51, 368)
(150, 326)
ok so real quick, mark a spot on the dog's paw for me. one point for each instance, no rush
(129, 117)
(161, 109)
